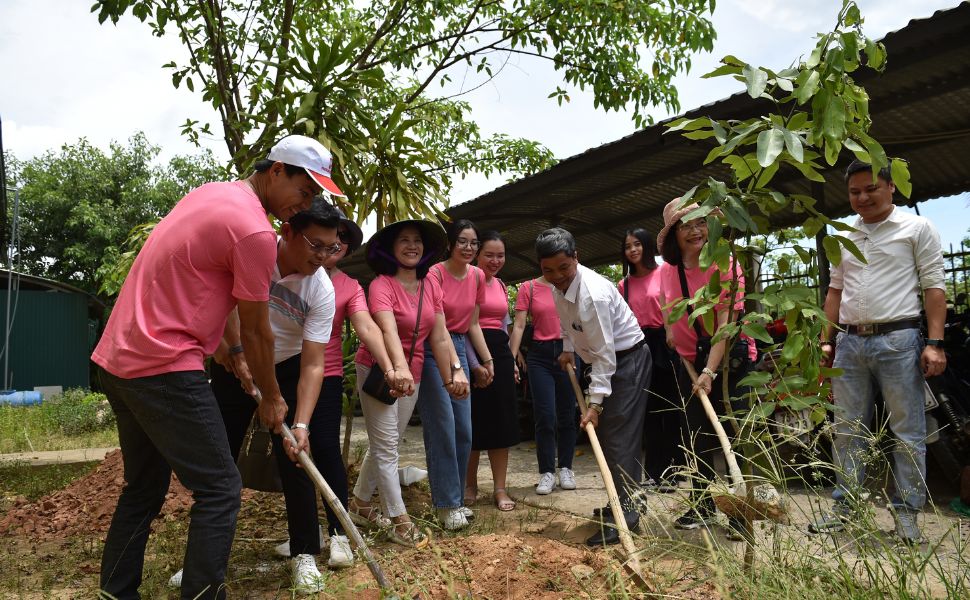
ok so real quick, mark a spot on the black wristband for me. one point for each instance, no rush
(235, 349)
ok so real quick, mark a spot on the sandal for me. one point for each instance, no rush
(367, 516)
(503, 504)
(471, 496)
(411, 536)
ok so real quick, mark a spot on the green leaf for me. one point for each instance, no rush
(770, 144)
(832, 250)
(757, 331)
(755, 379)
(722, 70)
(756, 80)
(899, 171)
(793, 144)
(807, 85)
(851, 247)
(762, 410)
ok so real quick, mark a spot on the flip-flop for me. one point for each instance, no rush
(503, 505)
(471, 496)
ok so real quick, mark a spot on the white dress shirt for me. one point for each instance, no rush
(903, 256)
(596, 324)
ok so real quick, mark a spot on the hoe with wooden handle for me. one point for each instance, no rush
(317, 478)
(633, 564)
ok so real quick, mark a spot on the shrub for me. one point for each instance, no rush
(78, 411)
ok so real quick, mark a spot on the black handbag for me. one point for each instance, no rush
(257, 465)
(375, 385)
(529, 330)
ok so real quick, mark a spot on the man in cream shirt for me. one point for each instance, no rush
(877, 304)
(599, 326)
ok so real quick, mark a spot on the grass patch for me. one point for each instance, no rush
(75, 419)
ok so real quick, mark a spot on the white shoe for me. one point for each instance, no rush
(284, 548)
(341, 556)
(175, 581)
(306, 577)
(567, 480)
(452, 518)
(469, 515)
(547, 481)
(410, 474)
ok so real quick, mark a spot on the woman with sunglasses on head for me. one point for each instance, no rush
(407, 306)
(640, 287)
(446, 419)
(680, 243)
(495, 420)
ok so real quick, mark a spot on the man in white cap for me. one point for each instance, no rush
(215, 250)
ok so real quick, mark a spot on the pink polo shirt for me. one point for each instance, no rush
(644, 297)
(387, 294)
(494, 310)
(214, 247)
(460, 295)
(350, 299)
(535, 298)
(685, 336)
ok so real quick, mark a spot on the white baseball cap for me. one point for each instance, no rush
(302, 151)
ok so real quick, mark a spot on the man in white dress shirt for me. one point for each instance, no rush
(877, 304)
(599, 326)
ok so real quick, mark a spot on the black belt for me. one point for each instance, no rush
(621, 353)
(868, 329)
(547, 341)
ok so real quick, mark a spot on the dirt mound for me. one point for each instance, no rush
(85, 506)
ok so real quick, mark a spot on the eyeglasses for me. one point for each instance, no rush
(696, 225)
(463, 243)
(320, 249)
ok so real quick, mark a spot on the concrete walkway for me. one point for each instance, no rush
(57, 457)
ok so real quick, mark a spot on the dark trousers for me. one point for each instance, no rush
(661, 425)
(699, 436)
(166, 423)
(553, 405)
(237, 409)
(620, 428)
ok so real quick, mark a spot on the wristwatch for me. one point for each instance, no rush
(455, 367)
(934, 342)
(710, 373)
(301, 426)
(597, 407)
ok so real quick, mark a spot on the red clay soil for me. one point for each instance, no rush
(85, 506)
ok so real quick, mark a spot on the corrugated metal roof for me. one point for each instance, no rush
(920, 107)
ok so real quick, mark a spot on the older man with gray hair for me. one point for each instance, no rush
(599, 326)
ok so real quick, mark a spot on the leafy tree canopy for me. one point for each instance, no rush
(376, 81)
(78, 205)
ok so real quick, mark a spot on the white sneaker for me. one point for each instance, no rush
(284, 548)
(567, 480)
(306, 577)
(452, 518)
(175, 581)
(469, 515)
(341, 556)
(411, 474)
(547, 481)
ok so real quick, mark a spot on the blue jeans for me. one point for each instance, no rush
(553, 405)
(447, 427)
(166, 423)
(890, 361)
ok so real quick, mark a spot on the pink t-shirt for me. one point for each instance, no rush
(494, 310)
(214, 247)
(685, 336)
(349, 299)
(537, 295)
(387, 294)
(460, 295)
(644, 298)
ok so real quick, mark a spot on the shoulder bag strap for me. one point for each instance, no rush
(690, 307)
(532, 297)
(626, 289)
(417, 323)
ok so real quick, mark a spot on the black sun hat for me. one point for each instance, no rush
(355, 235)
(380, 251)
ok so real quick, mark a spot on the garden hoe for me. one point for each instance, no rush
(317, 478)
(633, 564)
(762, 502)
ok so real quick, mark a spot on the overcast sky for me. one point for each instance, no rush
(64, 76)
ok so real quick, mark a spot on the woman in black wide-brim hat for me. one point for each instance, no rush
(407, 306)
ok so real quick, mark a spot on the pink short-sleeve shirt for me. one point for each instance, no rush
(494, 310)
(214, 247)
(685, 336)
(535, 298)
(387, 294)
(460, 295)
(349, 299)
(644, 298)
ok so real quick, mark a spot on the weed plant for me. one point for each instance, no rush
(77, 418)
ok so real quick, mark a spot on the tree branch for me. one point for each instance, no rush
(390, 22)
